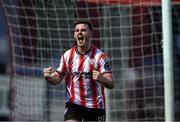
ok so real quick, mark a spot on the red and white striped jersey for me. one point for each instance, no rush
(81, 89)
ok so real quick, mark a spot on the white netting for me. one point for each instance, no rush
(41, 30)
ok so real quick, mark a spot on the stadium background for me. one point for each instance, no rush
(93, 15)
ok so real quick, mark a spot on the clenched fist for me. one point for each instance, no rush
(47, 71)
(96, 75)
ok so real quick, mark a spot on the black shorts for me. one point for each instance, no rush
(80, 113)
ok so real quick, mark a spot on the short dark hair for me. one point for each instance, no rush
(83, 21)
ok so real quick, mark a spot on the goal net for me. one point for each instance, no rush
(128, 31)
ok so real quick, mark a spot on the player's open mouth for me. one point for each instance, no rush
(80, 37)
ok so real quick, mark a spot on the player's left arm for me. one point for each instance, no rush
(106, 79)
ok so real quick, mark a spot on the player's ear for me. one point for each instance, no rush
(92, 32)
(74, 43)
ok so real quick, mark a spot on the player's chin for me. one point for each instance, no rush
(80, 44)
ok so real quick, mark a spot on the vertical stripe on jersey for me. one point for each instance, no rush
(64, 65)
(102, 86)
(67, 78)
(81, 84)
(70, 64)
(93, 82)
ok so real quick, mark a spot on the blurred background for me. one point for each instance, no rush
(4, 77)
(41, 30)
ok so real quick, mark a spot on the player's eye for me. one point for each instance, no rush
(76, 30)
(83, 30)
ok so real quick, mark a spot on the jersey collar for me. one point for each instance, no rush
(87, 52)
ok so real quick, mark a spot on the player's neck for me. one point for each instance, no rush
(84, 49)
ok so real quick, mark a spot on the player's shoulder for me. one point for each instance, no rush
(100, 53)
(98, 50)
(69, 51)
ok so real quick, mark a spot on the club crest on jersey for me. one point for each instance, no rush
(91, 61)
(106, 65)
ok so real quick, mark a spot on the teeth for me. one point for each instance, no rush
(80, 37)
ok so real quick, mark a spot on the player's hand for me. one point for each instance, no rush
(96, 75)
(47, 72)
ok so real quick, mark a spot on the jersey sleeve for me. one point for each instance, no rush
(104, 65)
(62, 66)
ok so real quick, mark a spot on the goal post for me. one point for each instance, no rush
(128, 31)
(168, 61)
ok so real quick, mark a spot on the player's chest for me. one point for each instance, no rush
(82, 63)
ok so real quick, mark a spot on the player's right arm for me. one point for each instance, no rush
(52, 77)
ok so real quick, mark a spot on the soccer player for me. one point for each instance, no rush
(86, 71)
